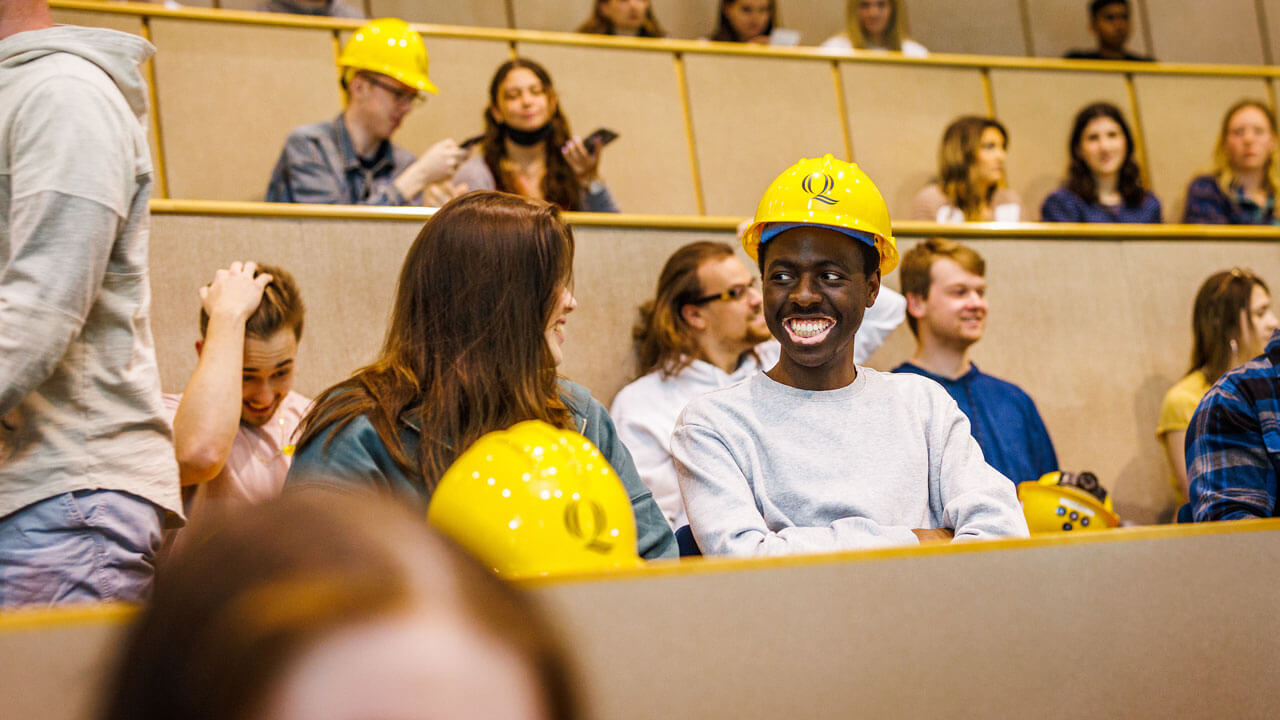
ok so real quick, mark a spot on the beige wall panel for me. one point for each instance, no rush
(346, 272)
(1061, 25)
(1038, 108)
(229, 95)
(477, 13)
(1181, 117)
(815, 21)
(1271, 9)
(56, 671)
(815, 640)
(88, 18)
(254, 4)
(746, 136)
(461, 69)
(897, 114)
(1222, 31)
(636, 94)
(981, 27)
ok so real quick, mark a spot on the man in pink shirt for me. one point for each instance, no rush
(234, 423)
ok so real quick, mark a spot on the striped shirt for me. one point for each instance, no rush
(1233, 444)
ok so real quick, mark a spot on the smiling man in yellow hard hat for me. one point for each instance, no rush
(350, 160)
(819, 454)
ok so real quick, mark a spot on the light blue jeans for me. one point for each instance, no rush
(84, 546)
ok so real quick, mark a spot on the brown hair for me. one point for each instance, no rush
(914, 272)
(1215, 319)
(560, 185)
(724, 31)
(281, 307)
(598, 24)
(1222, 164)
(466, 350)
(955, 163)
(893, 34)
(1080, 179)
(661, 336)
(234, 609)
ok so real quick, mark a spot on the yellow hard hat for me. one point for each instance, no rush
(830, 192)
(389, 47)
(534, 500)
(1066, 502)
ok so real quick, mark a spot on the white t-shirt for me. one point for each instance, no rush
(910, 48)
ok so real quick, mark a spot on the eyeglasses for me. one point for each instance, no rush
(737, 292)
(404, 96)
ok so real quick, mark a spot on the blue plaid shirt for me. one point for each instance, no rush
(1206, 204)
(1233, 444)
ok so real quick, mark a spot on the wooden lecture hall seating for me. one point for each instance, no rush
(1093, 321)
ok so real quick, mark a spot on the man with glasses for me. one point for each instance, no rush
(704, 330)
(350, 160)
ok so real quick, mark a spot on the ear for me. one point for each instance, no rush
(692, 315)
(199, 346)
(873, 287)
(493, 113)
(915, 305)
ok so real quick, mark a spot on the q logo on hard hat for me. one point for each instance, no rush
(591, 529)
(828, 184)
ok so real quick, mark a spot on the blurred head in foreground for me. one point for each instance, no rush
(333, 606)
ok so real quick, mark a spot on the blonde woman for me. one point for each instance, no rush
(875, 25)
(1242, 188)
(631, 18)
(971, 184)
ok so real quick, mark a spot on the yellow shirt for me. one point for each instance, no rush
(1176, 411)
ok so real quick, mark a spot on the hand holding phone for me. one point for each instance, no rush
(599, 139)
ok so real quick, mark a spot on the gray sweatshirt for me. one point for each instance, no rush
(79, 388)
(767, 469)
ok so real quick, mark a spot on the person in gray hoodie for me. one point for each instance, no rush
(87, 471)
(327, 8)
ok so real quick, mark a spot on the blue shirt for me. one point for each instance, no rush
(1066, 206)
(1207, 204)
(1003, 420)
(319, 165)
(1233, 443)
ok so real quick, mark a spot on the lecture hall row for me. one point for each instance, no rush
(1245, 32)
(702, 127)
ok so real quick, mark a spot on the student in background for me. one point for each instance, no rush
(1230, 324)
(233, 425)
(473, 345)
(1104, 183)
(350, 160)
(325, 8)
(971, 184)
(327, 605)
(631, 18)
(528, 148)
(1241, 190)
(1109, 23)
(946, 291)
(875, 25)
(745, 21)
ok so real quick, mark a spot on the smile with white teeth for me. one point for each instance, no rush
(808, 330)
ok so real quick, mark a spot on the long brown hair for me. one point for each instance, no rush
(661, 336)
(466, 350)
(1215, 320)
(724, 31)
(1080, 179)
(598, 24)
(233, 610)
(956, 158)
(560, 185)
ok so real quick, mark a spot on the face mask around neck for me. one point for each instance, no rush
(527, 138)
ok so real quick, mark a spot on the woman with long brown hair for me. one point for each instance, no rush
(528, 148)
(1230, 324)
(632, 18)
(971, 184)
(473, 346)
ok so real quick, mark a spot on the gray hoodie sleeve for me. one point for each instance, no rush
(72, 181)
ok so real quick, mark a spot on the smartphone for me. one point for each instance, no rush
(466, 144)
(599, 139)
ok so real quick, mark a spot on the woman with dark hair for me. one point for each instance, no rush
(1245, 180)
(971, 184)
(333, 606)
(746, 21)
(527, 147)
(632, 18)
(473, 346)
(1231, 323)
(1104, 183)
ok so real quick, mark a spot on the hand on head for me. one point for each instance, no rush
(234, 290)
